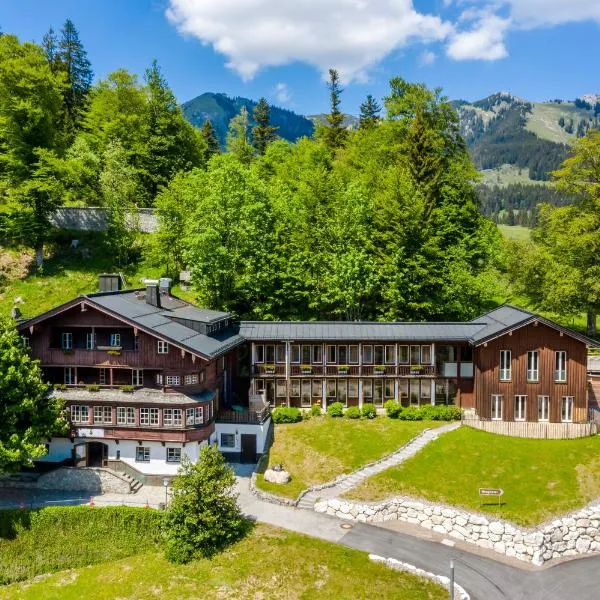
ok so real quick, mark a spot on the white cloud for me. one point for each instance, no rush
(484, 41)
(536, 13)
(282, 93)
(349, 35)
(426, 58)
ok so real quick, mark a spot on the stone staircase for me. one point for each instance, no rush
(347, 482)
(135, 485)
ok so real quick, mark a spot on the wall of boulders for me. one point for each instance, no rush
(571, 535)
(84, 479)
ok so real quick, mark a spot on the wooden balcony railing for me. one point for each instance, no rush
(348, 370)
(81, 358)
(244, 417)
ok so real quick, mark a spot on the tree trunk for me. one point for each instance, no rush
(591, 323)
(39, 256)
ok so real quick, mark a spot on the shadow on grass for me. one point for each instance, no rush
(12, 521)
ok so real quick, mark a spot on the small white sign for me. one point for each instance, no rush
(89, 432)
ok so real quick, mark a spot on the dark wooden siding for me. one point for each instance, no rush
(546, 341)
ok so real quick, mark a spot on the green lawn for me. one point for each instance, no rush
(540, 478)
(269, 563)
(515, 232)
(508, 174)
(322, 448)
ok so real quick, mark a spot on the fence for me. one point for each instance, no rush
(549, 431)
(89, 218)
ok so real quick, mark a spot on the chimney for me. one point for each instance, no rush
(165, 285)
(110, 282)
(153, 295)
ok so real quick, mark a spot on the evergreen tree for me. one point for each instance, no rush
(210, 138)
(50, 46)
(263, 133)
(237, 137)
(73, 60)
(369, 113)
(29, 416)
(335, 135)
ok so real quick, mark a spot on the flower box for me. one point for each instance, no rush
(269, 369)
(416, 369)
(378, 370)
(306, 369)
(343, 370)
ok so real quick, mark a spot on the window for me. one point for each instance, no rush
(425, 355)
(115, 340)
(102, 376)
(142, 454)
(466, 354)
(317, 388)
(520, 408)
(367, 388)
(367, 355)
(533, 366)
(173, 380)
(425, 391)
(270, 354)
(259, 386)
(171, 417)
(505, 365)
(403, 390)
(378, 355)
(566, 412)
(191, 379)
(497, 402)
(69, 375)
(125, 415)
(390, 355)
(305, 400)
(317, 354)
(415, 355)
(259, 354)
(137, 377)
(163, 347)
(342, 391)
(403, 354)
(173, 455)
(202, 376)
(543, 408)
(136, 343)
(415, 391)
(228, 440)
(342, 352)
(67, 341)
(79, 414)
(159, 379)
(148, 416)
(280, 353)
(306, 355)
(280, 388)
(295, 388)
(331, 354)
(331, 388)
(90, 341)
(199, 414)
(352, 355)
(189, 416)
(353, 388)
(25, 341)
(560, 372)
(102, 414)
(378, 392)
(295, 354)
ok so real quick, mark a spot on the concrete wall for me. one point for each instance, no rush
(90, 480)
(59, 449)
(260, 431)
(95, 219)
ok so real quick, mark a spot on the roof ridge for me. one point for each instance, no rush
(364, 322)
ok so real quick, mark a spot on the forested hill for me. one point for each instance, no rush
(220, 109)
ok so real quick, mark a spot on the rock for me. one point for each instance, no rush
(496, 527)
(500, 547)
(277, 476)
(460, 520)
(582, 545)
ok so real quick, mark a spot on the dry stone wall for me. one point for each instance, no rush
(90, 218)
(83, 479)
(575, 534)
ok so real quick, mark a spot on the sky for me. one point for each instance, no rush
(282, 49)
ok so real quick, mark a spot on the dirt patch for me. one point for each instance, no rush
(15, 264)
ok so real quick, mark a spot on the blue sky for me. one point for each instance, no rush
(537, 49)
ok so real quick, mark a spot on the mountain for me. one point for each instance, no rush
(349, 122)
(220, 109)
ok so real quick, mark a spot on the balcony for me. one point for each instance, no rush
(268, 370)
(297, 370)
(244, 416)
(106, 357)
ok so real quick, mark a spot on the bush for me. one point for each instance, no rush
(392, 408)
(353, 412)
(203, 517)
(411, 413)
(92, 387)
(336, 409)
(127, 389)
(315, 410)
(369, 411)
(286, 414)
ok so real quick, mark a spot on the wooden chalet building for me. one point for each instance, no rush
(148, 377)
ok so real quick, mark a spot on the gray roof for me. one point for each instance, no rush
(140, 396)
(353, 331)
(500, 319)
(132, 305)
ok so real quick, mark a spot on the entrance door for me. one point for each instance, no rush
(97, 454)
(248, 442)
(270, 387)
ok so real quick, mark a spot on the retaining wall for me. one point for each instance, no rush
(84, 218)
(84, 479)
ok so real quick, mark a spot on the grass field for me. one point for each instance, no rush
(507, 174)
(540, 478)
(543, 121)
(515, 232)
(322, 448)
(269, 563)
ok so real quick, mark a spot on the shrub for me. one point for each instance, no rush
(315, 410)
(60, 386)
(392, 408)
(203, 517)
(411, 413)
(369, 411)
(92, 387)
(353, 412)
(128, 389)
(430, 413)
(286, 414)
(335, 410)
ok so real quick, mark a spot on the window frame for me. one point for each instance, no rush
(567, 402)
(295, 388)
(115, 340)
(426, 350)
(403, 350)
(173, 454)
(173, 380)
(142, 454)
(533, 366)
(77, 411)
(229, 436)
(544, 399)
(90, 341)
(367, 354)
(66, 340)
(70, 378)
(280, 354)
(162, 347)
(125, 415)
(353, 349)
(259, 354)
(102, 415)
(560, 358)
(295, 354)
(497, 401)
(191, 379)
(505, 372)
(520, 407)
(316, 354)
(331, 354)
(150, 413)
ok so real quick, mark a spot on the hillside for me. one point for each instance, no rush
(349, 122)
(220, 109)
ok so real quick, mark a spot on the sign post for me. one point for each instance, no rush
(484, 492)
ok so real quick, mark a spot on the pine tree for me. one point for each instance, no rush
(335, 135)
(210, 137)
(263, 133)
(50, 46)
(74, 62)
(369, 113)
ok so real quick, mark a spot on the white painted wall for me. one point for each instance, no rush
(59, 450)
(260, 431)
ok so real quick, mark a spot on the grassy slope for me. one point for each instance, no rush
(543, 121)
(540, 478)
(508, 174)
(322, 448)
(270, 563)
(515, 232)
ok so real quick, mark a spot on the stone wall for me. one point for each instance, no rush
(95, 219)
(85, 479)
(571, 535)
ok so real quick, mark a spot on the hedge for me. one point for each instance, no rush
(286, 414)
(423, 413)
(335, 410)
(353, 412)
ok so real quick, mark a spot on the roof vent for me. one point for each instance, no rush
(164, 284)
(110, 282)
(153, 295)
